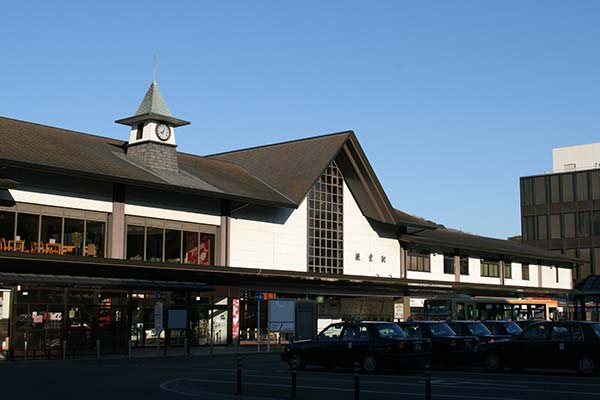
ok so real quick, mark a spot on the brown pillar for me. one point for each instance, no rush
(116, 224)
(539, 275)
(457, 268)
(501, 265)
(402, 261)
(224, 235)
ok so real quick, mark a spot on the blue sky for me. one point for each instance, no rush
(451, 100)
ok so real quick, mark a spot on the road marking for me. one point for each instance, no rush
(165, 386)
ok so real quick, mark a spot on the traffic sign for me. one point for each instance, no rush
(259, 296)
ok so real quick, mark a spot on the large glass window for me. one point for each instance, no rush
(585, 269)
(206, 249)
(7, 229)
(583, 226)
(73, 237)
(418, 260)
(325, 223)
(596, 223)
(569, 225)
(27, 232)
(554, 189)
(490, 269)
(154, 244)
(448, 264)
(190, 247)
(540, 190)
(51, 234)
(94, 238)
(555, 226)
(507, 270)
(527, 191)
(172, 246)
(542, 227)
(582, 186)
(529, 228)
(135, 242)
(595, 183)
(464, 265)
(525, 272)
(567, 187)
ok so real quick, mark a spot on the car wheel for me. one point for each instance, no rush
(296, 361)
(493, 362)
(587, 366)
(369, 363)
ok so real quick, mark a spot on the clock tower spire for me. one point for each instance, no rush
(152, 136)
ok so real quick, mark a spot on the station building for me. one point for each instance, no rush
(95, 231)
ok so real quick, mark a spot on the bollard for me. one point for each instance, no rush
(427, 382)
(26, 350)
(129, 348)
(64, 349)
(238, 389)
(356, 381)
(293, 382)
(98, 349)
(186, 349)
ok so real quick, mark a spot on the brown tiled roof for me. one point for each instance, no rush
(38, 146)
(290, 167)
(409, 219)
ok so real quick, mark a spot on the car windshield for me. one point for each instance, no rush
(392, 331)
(477, 328)
(441, 329)
(513, 328)
(596, 328)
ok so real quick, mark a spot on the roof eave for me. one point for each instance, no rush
(131, 121)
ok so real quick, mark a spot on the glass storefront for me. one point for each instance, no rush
(53, 234)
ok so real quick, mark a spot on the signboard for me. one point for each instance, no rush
(398, 311)
(235, 319)
(416, 302)
(282, 315)
(158, 317)
(177, 319)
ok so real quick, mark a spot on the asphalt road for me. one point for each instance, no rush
(265, 377)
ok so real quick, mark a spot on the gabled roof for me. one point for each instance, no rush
(291, 168)
(449, 239)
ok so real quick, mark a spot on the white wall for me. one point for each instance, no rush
(549, 277)
(584, 156)
(149, 133)
(260, 239)
(517, 276)
(360, 237)
(66, 200)
(173, 215)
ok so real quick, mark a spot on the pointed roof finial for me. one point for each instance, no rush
(154, 76)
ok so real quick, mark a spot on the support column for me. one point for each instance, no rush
(406, 301)
(501, 265)
(402, 261)
(224, 235)
(116, 224)
(539, 275)
(457, 267)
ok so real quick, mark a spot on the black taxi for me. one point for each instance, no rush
(448, 348)
(374, 345)
(549, 344)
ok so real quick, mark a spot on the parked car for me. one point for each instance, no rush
(526, 323)
(503, 328)
(448, 349)
(561, 344)
(476, 328)
(373, 344)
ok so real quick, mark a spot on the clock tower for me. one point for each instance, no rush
(152, 137)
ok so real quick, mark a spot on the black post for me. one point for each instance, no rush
(427, 382)
(293, 382)
(238, 389)
(356, 381)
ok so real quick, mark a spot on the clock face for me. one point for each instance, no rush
(163, 132)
